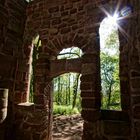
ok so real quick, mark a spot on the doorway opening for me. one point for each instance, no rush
(109, 59)
(67, 121)
(67, 100)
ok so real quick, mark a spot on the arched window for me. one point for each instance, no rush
(29, 0)
(109, 56)
(35, 53)
(70, 53)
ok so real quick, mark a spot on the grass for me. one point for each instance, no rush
(64, 110)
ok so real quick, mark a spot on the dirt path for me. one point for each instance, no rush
(67, 127)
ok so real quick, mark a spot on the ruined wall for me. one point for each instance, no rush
(12, 22)
(115, 125)
(62, 24)
(12, 28)
(134, 73)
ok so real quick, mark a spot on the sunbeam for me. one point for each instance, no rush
(118, 16)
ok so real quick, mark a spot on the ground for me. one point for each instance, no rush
(67, 127)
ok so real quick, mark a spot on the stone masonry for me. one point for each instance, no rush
(63, 24)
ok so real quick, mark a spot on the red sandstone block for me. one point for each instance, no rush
(21, 86)
(89, 68)
(75, 0)
(116, 128)
(65, 30)
(136, 99)
(39, 99)
(56, 21)
(81, 7)
(72, 21)
(125, 102)
(54, 9)
(136, 111)
(65, 13)
(73, 11)
(74, 27)
(19, 75)
(88, 78)
(18, 97)
(87, 86)
(68, 6)
(90, 58)
(91, 103)
(36, 136)
(135, 82)
(137, 128)
(90, 94)
(91, 115)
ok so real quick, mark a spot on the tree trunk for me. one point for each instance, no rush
(109, 96)
(75, 89)
(66, 94)
(59, 88)
(69, 89)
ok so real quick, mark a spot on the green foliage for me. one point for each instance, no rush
(110, 71)
(112, 40)
(114, 103)
(64, 110)
(65, 90)
(70, 53)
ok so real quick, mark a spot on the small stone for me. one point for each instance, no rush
(53, 31)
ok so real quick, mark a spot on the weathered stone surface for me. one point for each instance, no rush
(91, 103)
(90, 115)
(59, 67)
(62, 24)
(117, 128)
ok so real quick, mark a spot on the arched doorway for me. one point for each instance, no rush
(67, 121)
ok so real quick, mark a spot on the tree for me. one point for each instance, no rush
(112, 40)
(75, 89)
(110, 70)
(109, 76)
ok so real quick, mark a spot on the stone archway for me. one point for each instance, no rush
(89, 79)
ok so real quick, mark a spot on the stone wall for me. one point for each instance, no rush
(134, 73)
(59, 67)
(115, 125)
(13, 20)
(62, 24)
(12, 23)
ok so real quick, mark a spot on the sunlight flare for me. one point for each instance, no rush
(113, 19)
(119, 16)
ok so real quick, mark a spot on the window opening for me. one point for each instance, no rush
(29, 0)
(35, 54)
(70, 53)
(109, 56)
